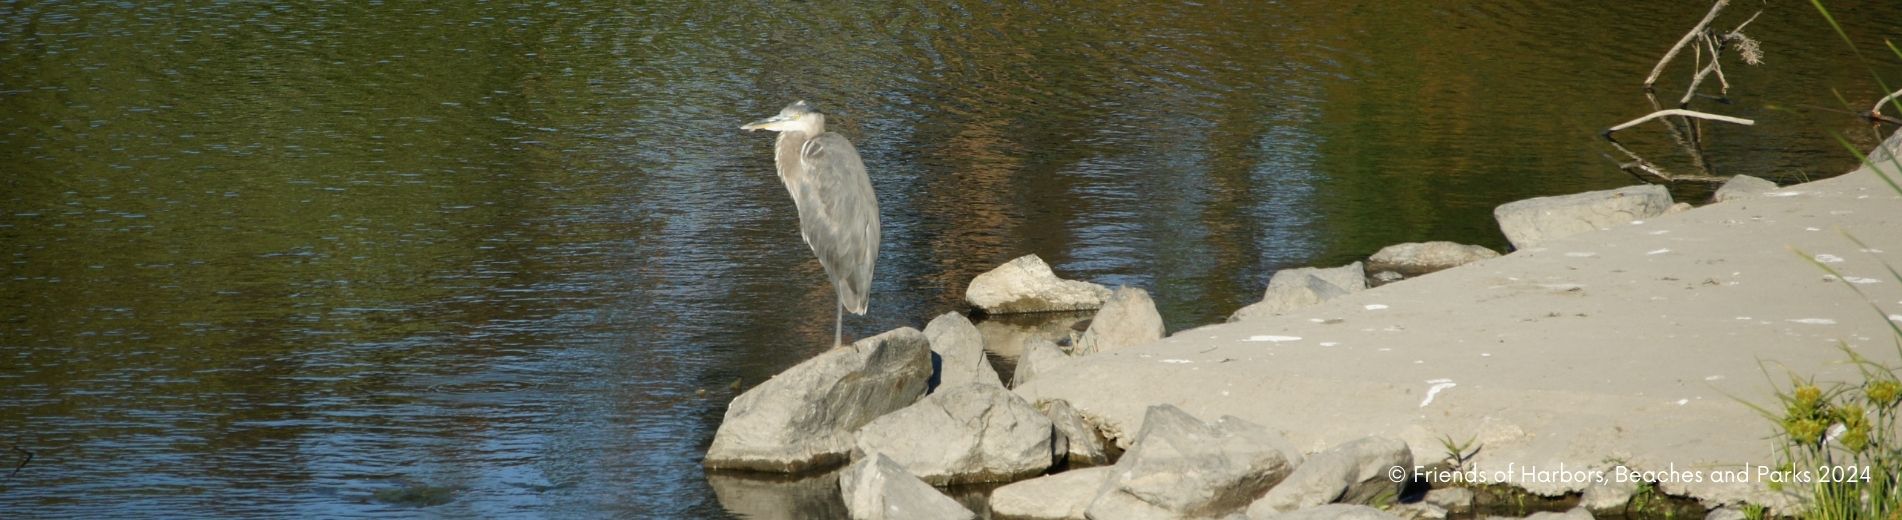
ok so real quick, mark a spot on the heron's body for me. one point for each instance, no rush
(838, 212)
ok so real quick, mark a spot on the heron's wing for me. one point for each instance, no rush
(838, 215)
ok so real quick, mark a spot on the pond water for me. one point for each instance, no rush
(513, 258)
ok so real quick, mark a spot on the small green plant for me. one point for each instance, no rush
(1838, 443)
(1642, 500)
(1458, 454)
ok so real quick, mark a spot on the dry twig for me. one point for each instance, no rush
(1676, 112)
(1695, 30)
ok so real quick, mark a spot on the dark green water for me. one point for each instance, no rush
(285, 259)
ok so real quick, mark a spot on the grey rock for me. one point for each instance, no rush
(1006, 334)
(776, 498)
(877, 488)
(1608, 496)
(804, 418)
(1457, 500)
(1528, 222)
(1889, 150)
(1027, 284)
(1331, 511)
(1418, 258)
(963, 434)
(1576, 513)
(1080, 445)
(1350, 278)
(1353, 472)
(1128, 319)
(1726, 513)
(1678, 208)
(1742, 187)
(1291, 289)
(1063, 496)
(1039, 357)
(1418, 511)
(1181, 467)
(958, 353)
(1383, 278)
(1311, 291)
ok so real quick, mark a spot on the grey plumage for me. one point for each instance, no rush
(838, 212)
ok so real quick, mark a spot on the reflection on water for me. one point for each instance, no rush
(764, 497)
(275, 258)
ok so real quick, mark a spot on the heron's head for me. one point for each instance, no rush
(797, 117)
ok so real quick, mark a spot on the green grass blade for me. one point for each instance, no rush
(1838, 27)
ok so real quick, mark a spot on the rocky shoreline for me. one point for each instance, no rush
(1601, 343)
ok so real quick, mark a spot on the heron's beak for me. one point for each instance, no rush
(765, 124)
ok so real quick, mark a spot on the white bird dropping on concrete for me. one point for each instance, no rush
(1273, 339)
(1436, 386)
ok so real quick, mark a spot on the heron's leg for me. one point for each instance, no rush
(838, 326)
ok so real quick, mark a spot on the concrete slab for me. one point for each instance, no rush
(1633, 344)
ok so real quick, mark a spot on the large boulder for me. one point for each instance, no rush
(1742, 187)
(1181, 467)
(1063, 496)
(1310, 291)
(957, 353)
(1354, 472)
(1039, 357)
(1890, 150)
(1291, 289)
(1027, 284)
(1079, 444)
(804, 418)
(877, 488)
(1128, 319)
(1529, 222)
(1418, 258)
(1351, 277)
(1329, 512)
(969, 433)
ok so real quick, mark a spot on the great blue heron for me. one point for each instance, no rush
(838, 213)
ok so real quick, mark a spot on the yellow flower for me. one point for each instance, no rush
(1805, 431)
(1855, 439)
(1884, 393)
(1850, 414)
(1808, 396)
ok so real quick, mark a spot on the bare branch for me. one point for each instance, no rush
(1723, 89)
(1739, 29)
(1677, 112)
(1698, 29)
(1875, 112)
(23, 461)
(1648, 172)
(1716, 66)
